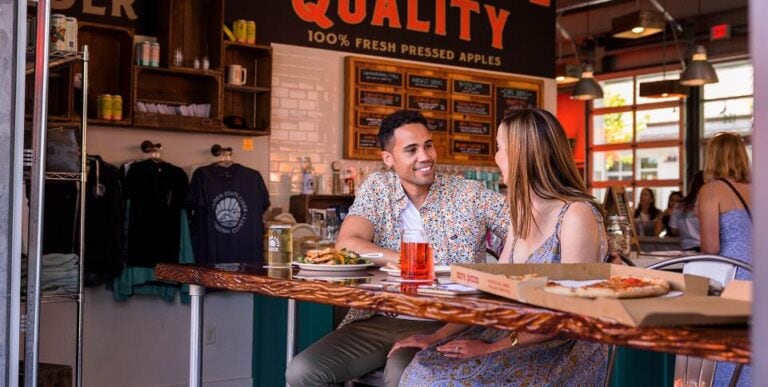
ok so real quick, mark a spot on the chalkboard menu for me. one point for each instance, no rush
(460, 106)
(381, 77)
(422, 103)
(461, 86)
(427, 83)
(471, 127)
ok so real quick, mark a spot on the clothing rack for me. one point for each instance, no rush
(152, 148)
(224, 154)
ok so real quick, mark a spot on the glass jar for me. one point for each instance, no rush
(619, 235)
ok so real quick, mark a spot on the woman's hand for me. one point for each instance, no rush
(415, 341)
(466, 349)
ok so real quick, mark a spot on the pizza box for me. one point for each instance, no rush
(687, 304)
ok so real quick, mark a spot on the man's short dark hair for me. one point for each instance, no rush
(394, 121)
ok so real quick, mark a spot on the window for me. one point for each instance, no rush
(729, 104)
(636, 142)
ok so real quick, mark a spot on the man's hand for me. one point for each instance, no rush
(466, 349)
(415, 341)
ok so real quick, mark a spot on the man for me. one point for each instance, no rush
(456, 215)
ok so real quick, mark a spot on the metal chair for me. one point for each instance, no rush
(720, 270)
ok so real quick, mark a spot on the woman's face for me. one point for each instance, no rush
(646, 197)
(501, 153)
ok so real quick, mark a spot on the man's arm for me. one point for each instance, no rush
(357, 233)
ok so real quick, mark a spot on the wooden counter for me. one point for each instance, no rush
(728, 343)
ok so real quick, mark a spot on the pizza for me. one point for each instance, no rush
(626, 286)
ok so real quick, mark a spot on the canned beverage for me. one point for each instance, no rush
(240, 30)
(117, 107)
(250, 32)
(137, 53)
(146, 53)
(279, 245)
(154, 54)
(58, 33)
(105, 107)
(71, 33)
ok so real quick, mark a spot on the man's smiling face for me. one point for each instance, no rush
(412, 155)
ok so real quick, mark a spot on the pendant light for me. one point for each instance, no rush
(699, 71)
(565, 72)
(665, 88)
(638, 24)
(587, 88)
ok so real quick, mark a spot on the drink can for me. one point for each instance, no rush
(105, 107)
(117, 107)
(154, 54)
(279, 245)
(58, 33)
(71, 33)
(138, 53)
(146, 53)
(250, 32)
(240, 30)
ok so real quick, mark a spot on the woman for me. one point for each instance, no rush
(646, 214)
(684, 221)
(726, 221)
(554, 220)
(663, 223)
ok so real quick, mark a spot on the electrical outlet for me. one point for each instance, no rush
(209, 336)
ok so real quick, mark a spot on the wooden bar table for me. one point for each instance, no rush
(725, 343)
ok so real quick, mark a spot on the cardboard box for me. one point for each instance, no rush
(693, 307)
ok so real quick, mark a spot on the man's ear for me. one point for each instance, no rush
(387, 158)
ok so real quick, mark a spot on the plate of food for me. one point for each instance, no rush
(613, 287)
(394, 270)
(331, 259)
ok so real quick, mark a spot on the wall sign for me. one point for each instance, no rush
(483, 34)
(459, 106)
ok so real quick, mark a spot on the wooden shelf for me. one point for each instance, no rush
(231, 44)
(97, 121)
(185, 71)
(246, 89)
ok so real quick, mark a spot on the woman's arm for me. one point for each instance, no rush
(423, 341)
(581, 235)
(466, 348)
(708, 209)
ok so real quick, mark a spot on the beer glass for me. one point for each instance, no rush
(416, 261)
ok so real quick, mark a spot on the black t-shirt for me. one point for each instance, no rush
(157, 193)
(104, 220)
(227, 206)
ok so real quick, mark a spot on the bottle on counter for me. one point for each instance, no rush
(619, 235)
(307, 177)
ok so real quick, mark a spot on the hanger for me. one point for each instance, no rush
(224, 155)
(153, 150)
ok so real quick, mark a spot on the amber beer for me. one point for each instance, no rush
(416, 260)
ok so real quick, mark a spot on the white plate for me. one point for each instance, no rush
(439, 270)
(324, 267)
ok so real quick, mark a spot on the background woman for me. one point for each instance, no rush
(646, 214)
(726, 221)
(554, 220)
(663, 223)
(684, 220)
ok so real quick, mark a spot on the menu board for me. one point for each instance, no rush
(461, 86)
(471, 127)
(377, 98)
(437, 124)
(424, 82)
(365, 140)
(379, 77)
(460, 106)
(471, 107)
(416, 102)
(474, 148)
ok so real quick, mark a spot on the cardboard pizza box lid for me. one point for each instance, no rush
(738, 290)
(693, 307)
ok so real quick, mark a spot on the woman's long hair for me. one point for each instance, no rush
(727, 158)
(540, 160)
(689, 201)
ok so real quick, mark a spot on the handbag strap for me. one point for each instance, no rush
(744, 203)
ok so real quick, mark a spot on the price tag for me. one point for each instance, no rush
(247, 144)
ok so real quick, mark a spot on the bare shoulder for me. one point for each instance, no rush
(580, 213)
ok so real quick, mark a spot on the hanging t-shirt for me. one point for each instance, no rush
(104, 219)
(157, 193)
(227, 206)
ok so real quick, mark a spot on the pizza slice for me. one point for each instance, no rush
(615, 287)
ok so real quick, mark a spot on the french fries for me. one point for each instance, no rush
(331, 256)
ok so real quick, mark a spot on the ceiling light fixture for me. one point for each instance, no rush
(699, 71)
(565, 72)
(665, 88)
(587, 88)
(638, 24)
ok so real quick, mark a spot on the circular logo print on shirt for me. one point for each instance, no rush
(229, 211)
